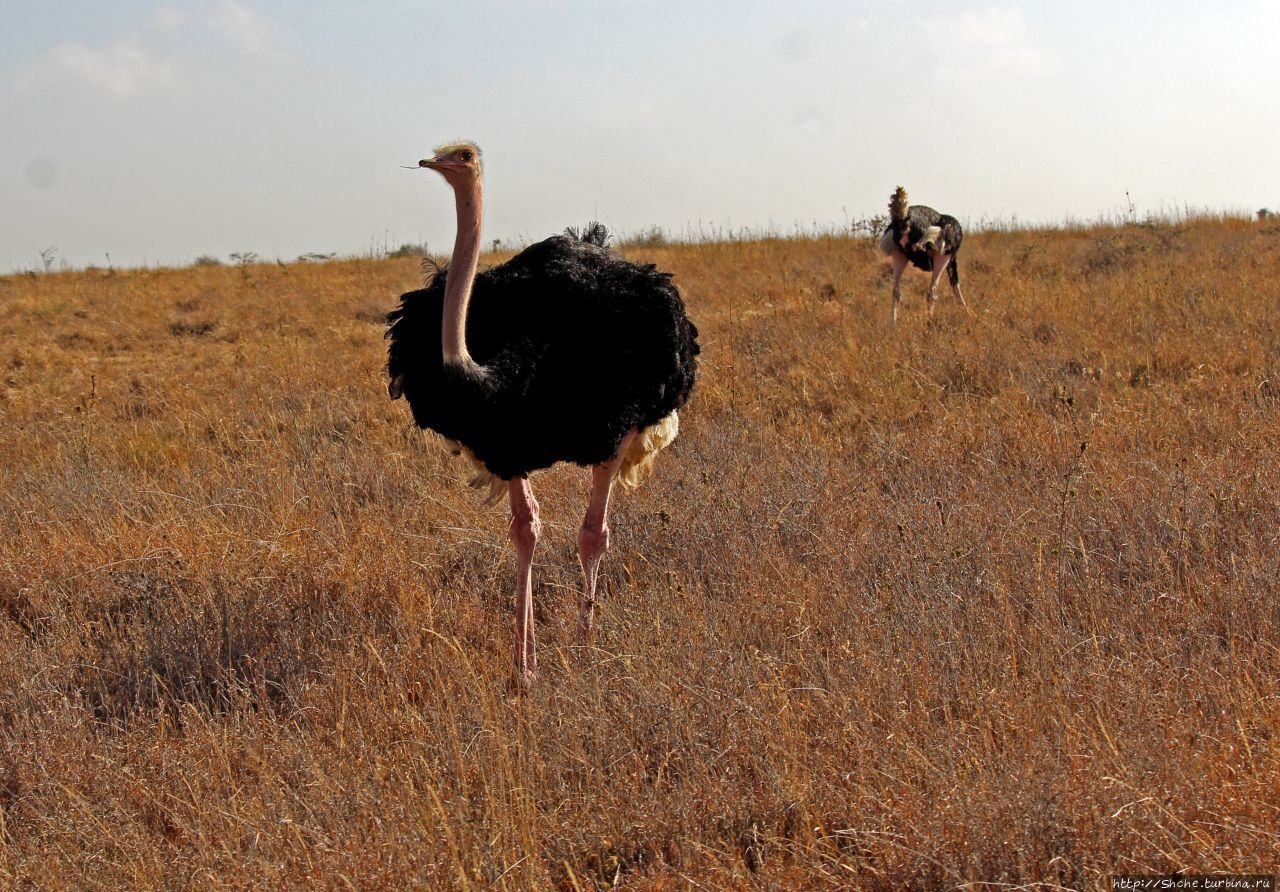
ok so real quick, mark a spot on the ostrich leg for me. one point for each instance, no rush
(899, 265)
(955, 283)
(940, 262)
(525, 527)
(593, 538)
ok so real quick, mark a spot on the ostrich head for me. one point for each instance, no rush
(457, 162)
(898, 204)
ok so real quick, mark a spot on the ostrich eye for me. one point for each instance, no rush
(465, 156)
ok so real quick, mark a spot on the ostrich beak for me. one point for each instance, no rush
(439, 165)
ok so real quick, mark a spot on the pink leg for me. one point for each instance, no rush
(940, 262)
(899, 265)
(593, 538)
(525, 527)
(955, 289)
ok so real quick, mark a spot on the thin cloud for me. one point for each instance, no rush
(240, 25)
(168, 18)
(994, 40)
(120, 70)
(152, 59)
(1002, 33)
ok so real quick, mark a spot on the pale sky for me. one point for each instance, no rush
(157, 132)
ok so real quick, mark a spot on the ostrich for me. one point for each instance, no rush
(565, 353)
(921, 236)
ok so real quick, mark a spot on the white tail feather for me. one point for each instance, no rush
(484, 478)
(644, 448)
(932, 239)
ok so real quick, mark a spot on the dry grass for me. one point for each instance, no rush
(992, 599)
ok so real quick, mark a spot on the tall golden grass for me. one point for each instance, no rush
(992, 599)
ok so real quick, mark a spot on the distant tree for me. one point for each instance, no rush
(408, 249)
(870, 228)
(207, 260)
(653, 237)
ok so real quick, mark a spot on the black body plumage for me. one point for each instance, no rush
(577, 347)
(917, 223)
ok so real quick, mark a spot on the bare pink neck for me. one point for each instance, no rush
(462, 273)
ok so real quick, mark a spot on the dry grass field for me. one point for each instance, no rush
(981, 603)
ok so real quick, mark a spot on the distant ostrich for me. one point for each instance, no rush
(921, 236)
(566, 352)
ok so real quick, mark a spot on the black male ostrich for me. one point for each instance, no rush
(566, 352)
(928, 240)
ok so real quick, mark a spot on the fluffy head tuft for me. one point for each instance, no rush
(594, 233)
(464, 144)
(898, 205)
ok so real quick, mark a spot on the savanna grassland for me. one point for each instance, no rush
(992, 599)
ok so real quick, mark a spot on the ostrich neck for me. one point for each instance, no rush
(462, 273)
